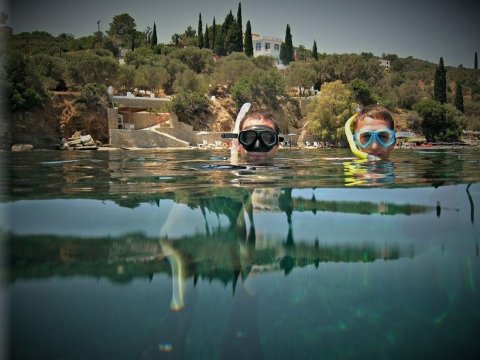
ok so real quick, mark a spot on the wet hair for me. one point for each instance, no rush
(261, 115)
(375, 112)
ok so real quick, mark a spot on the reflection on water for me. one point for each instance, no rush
(177, 255)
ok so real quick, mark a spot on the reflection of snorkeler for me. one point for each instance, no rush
(241, 338)
(368, 173)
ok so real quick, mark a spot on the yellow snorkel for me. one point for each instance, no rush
(351, 141)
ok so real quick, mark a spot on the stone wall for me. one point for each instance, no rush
(143, 139)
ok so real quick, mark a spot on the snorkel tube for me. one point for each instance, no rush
(351, 142)
(234, 149)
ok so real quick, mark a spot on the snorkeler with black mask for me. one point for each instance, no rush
(258, 138)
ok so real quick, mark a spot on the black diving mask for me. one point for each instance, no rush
(257, 138)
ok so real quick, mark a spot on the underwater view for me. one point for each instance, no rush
(177, 254)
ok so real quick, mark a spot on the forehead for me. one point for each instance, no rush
(371, 123)
(255, 121)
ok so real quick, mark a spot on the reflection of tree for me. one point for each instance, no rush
(216, 257)
(440, 168)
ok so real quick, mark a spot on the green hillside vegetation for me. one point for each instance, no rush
(38, 63)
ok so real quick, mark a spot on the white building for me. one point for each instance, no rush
(385, 63)
(267, 45)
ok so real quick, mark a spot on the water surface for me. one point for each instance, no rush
(175, 254)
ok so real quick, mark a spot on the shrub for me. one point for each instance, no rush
(188, 106)
(92, 94)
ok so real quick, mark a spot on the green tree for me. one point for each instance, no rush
(264, 62)
(282, 54)
(189, 106)
(188, 38)
(51, 69)
(459, 98)
(287, 54)
(302, 53)
(408, 94)
(154, 40)
(23, 83)
(122, 28)
(199, 60)
(262, 87)
(248, 40)
(189, 81)
(475, 64)
(150, 77)
(440, 83)
(362, 92)
(92, 94)
(314, 51)
(200, 31)
(214, 36)
(173, 67)
(219, 48)
(230, 69)
(206, 38)
(229, 30)
(300, 75)
(126, 77)
(90, 67)
(134, 45)
(329, 111)
(239, 32)
(439, 122)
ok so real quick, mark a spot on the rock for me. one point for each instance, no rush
(22, 147)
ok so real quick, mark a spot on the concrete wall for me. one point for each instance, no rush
(143, 139)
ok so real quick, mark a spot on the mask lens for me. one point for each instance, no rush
(269, 138)
(385, 137)
(247, 138)
(364, 138)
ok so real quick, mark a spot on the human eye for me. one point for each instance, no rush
(364, 137)
(269, 137)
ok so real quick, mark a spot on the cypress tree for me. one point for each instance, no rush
(229, 33)
(248, 40)
(154, 40)
(219, 48)
(440, 83)
(286, 54)
(200, 31)
(459, 97)
(314, 51)
(214, 35)
(239, 42)
(133, 40)
(475, 65)
(282, 53)
(206, 38)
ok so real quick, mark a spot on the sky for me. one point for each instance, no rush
(423, 29)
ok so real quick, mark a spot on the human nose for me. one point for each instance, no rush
(374, 144)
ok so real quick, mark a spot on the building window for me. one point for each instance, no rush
(276, 47)
(258, 46)
(267, 46)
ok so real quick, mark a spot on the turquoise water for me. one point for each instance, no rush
(174, 254)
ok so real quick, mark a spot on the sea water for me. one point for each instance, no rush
(176, 254)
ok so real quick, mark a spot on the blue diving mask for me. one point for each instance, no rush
(384, 137)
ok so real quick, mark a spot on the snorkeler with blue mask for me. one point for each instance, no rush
(374, 135)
